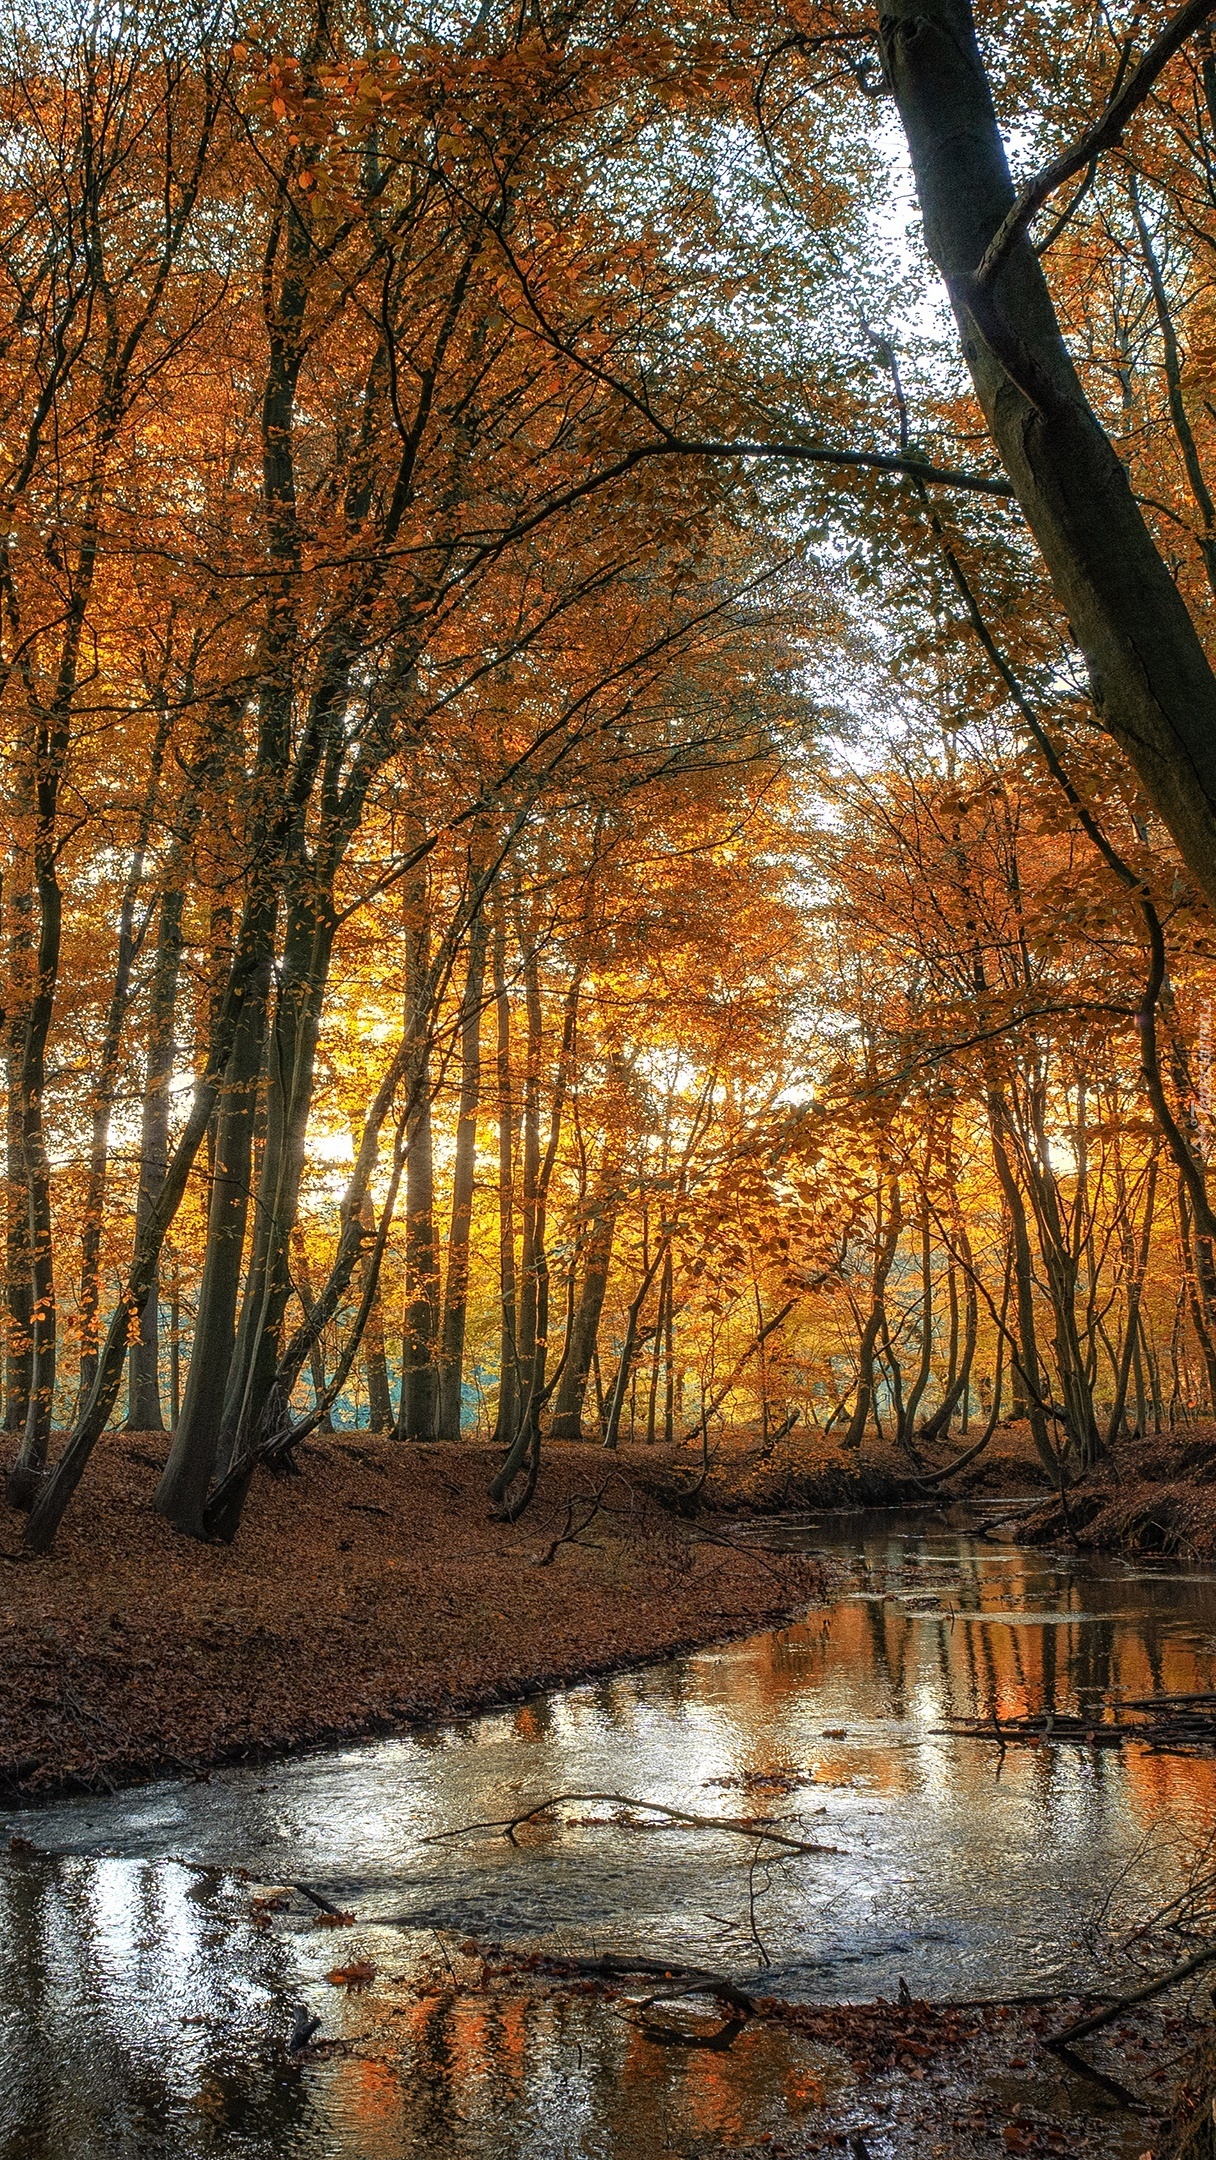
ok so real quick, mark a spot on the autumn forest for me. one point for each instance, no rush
(608, 762)
(600, 838)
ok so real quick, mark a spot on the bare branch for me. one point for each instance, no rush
(1106, 133)
(511, 1823)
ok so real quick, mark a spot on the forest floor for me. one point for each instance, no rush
(372, 1591)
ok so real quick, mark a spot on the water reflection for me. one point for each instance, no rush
(141, 2012)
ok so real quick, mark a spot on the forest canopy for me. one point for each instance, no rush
(609, 732)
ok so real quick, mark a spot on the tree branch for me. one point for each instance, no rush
(1129, 93)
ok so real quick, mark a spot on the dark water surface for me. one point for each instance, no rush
(142, 2013)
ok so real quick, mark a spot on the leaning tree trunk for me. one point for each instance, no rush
(316, 1348)
(1152, 685)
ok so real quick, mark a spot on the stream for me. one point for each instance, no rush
(145, 2013)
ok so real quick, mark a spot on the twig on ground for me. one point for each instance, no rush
(595, 1504)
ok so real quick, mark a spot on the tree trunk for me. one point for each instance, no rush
(530, 1246)
(1027, 1371)
(19, 1293)
(107, 1076)
(316, 1348)
(567, 1420)
(624, 1371)
(1152, 685)
(924, 1367)
(303, 975)
(508, 1356)
(143, 1405)
(534, 1304)
(883, 1257)
(958, 1387)
(182, 1491)
(375, 1364)
(26, 1475)
(419, 1377)
(1134, 1290)
(456, 1284)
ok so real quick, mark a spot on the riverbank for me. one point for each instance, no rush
(1147, 1496)
(1152, 1495)
(369, 1593)
(374, 1591)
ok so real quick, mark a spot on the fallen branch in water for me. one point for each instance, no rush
(304, 2030)
(1121, 2003)
(678, 1981)
(739, 1827)
(1167, 1724)
(1113, 2085)
(681, 1979)
(1060, 2044)
(332, 1912)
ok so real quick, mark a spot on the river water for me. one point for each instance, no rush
(145, 2012)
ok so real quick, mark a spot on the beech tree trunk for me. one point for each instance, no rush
(19, 1295)
(456, 1283)
(567, 1421)
(419, 1392)
(1152, 685)
(182, 1491)
(508, 1355)
(531, 1240)
(884, 1254)
(1027, 1370)
(143, 1402)
(291, 1061)
(107, 1076)
(316, 1348)
(906, 1423)
(375, 1363)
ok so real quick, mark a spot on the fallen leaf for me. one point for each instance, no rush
(355, 1976)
